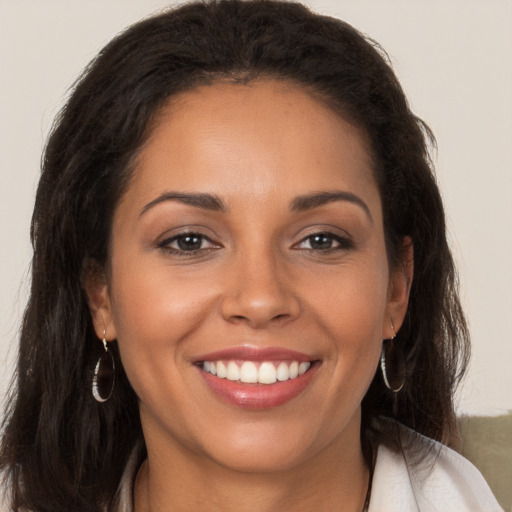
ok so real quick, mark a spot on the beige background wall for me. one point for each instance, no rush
(454, 58)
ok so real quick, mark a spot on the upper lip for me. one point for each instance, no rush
(251, 353)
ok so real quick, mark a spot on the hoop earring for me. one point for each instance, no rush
(104, 375)
(392, 363)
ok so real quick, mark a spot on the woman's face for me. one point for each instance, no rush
(250, 245)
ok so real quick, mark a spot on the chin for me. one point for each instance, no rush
(268, 448)
(259, 459)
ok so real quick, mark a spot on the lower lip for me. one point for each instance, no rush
(258, 396)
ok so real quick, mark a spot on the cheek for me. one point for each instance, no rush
(353, 302)
(352, 310)
(150, 298)
(155, 314)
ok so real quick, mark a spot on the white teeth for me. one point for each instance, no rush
(233, 372)
(294, 370)
(221, 369)
(283, 372)
(249, 372)
(303, 368)
(267, 373)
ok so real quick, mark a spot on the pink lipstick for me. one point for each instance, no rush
(256, 378)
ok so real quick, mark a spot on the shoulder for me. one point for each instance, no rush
(442, 480)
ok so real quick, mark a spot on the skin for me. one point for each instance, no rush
(258, 280)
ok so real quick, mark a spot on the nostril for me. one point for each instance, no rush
(280, 316)
(259, 306)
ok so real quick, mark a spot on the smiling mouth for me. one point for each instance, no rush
(257, 378)
(254, 372)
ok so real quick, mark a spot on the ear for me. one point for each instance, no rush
(95, 284)
(399, 288)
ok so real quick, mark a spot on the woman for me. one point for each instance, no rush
(236, 225)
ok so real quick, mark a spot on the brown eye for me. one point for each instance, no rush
(324, 242)
(190, 242)
(321, 242)
(187, 244)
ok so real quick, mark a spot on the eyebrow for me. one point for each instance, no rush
(205, 201)
(299, 204)
(317, 199)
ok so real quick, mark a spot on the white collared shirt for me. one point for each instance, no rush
(444, 482)
(448, 483)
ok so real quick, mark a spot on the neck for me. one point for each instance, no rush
(334, 480)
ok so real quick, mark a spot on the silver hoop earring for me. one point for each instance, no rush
(104, 375)
(392, 363)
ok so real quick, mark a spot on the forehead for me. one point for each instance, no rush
(251, 140)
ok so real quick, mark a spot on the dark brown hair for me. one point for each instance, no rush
(61, 450)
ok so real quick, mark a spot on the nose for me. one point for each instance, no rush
(259, 292)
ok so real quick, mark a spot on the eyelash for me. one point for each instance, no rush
(343, 243)
(176, 251)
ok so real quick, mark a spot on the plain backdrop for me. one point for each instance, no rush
(454, 59)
